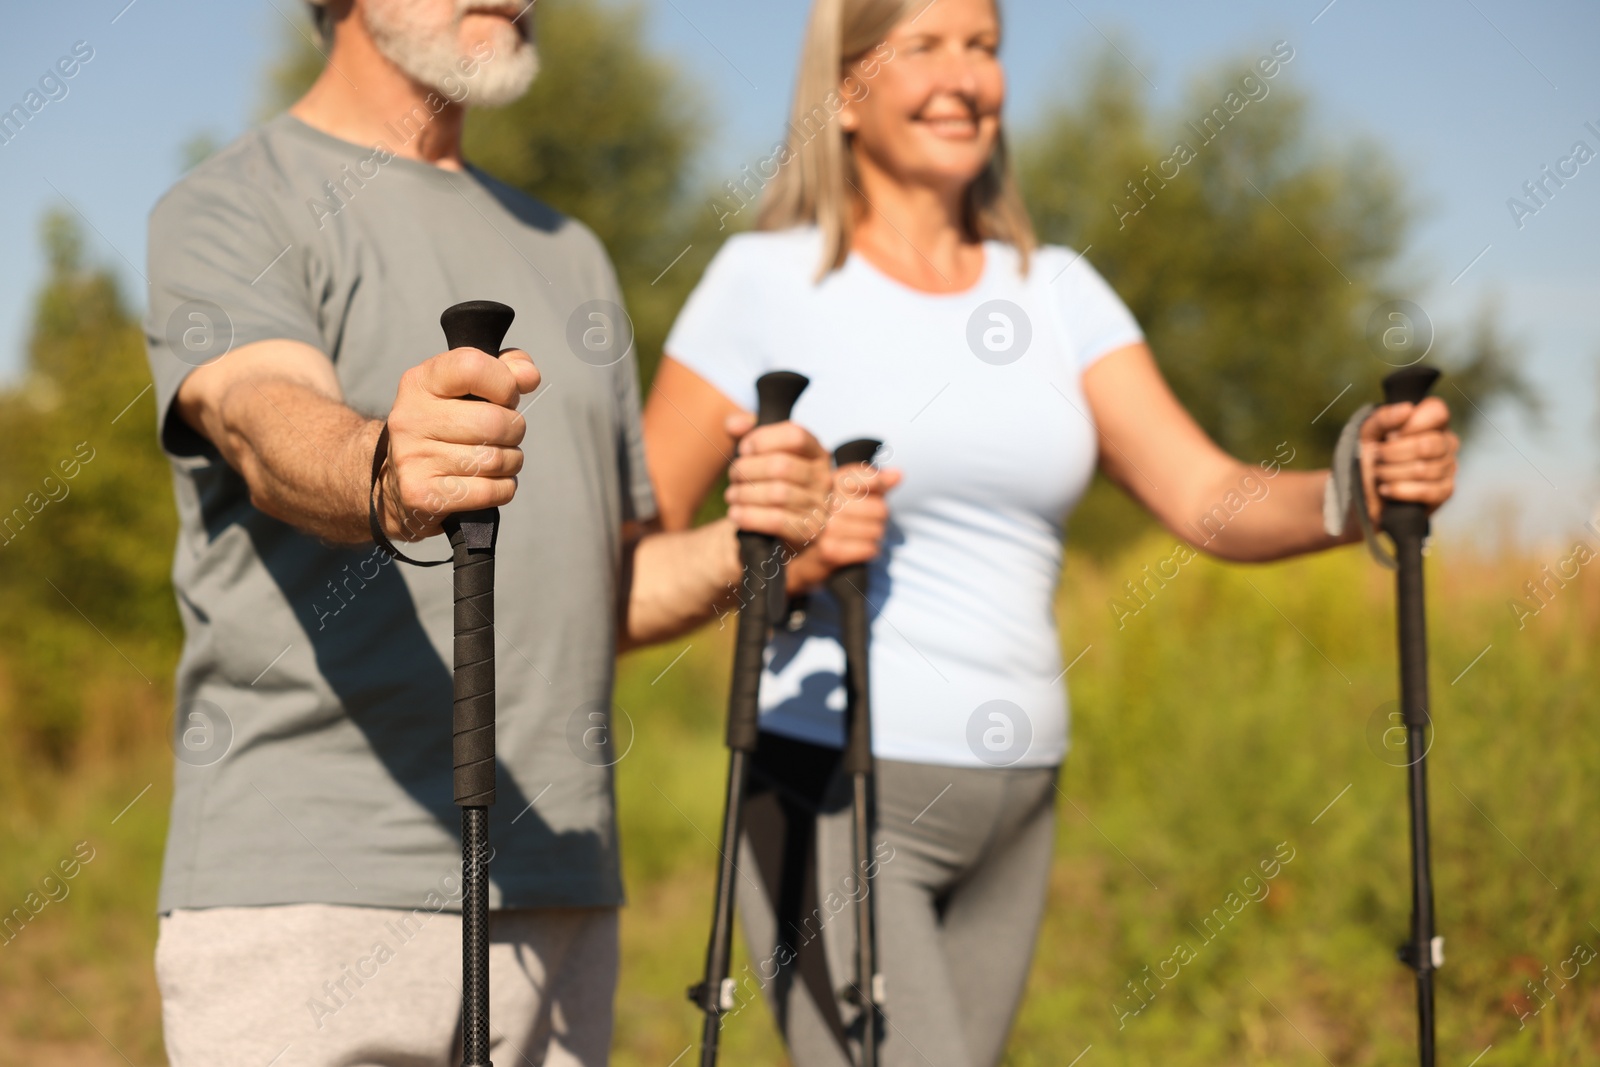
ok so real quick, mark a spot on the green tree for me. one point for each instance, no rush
(88, 521)
(1254, 271)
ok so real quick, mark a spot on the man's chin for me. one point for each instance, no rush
(504, 79)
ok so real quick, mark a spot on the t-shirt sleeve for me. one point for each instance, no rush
(720, 332)
(223, 274)
(1093, 317)
(638, 495)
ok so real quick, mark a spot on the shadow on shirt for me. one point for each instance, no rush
(391, 684)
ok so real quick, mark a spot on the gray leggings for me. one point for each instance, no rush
(963, 859)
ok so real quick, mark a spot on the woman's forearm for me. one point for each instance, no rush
(1253, 516)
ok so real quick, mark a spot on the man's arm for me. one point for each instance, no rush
(275, 411)
(673, 581)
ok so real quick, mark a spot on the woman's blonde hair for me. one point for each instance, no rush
(818, 184)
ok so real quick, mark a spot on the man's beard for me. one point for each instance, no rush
(412, 37)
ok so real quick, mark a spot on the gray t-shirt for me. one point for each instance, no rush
(314, 692)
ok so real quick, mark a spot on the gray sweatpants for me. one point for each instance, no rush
(318, 985)
(962, 862)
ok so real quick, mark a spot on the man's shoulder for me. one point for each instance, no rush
(249, 168)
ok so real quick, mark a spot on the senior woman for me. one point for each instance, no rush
(895, 265)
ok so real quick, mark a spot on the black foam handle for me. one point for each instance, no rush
(862, 450)
(761, 597)
(848, 585)
(472, 724)
(1406, 522)
(776, 393)
(480, 324)
(1409, 385)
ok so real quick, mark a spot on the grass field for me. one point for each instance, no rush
(1224, 724)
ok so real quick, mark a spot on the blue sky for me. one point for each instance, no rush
(1470, 97)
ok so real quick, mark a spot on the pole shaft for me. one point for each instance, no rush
(848, 585)
(1413, 637)
(750, 640)
(866, 934)
(719, 954)
(472, 535)
(761, 561)
(475, 937)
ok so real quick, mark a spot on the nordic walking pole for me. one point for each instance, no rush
(849, 587)
(480, 324)
(1407, 523)
(763, 574)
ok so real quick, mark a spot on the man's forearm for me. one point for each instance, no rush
(306, 456)
(675, 582)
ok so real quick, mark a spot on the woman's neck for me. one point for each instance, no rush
(915, 234)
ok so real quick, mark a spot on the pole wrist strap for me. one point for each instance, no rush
(1346, 492)
(374, 494)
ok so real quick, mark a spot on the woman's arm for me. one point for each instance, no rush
(689, 435)
(1153, 448)
(686, 441)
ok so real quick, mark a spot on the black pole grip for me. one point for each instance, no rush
(849, 587)
(480, 324)
(1407, 523)
(761, 560)
(776, 394)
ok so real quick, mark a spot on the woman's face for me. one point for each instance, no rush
(929, 112)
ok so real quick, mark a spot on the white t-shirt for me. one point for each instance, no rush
(976, 396)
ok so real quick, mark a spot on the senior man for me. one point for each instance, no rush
(309, 901)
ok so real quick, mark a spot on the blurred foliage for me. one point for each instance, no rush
(299, 60)
(1254, 271)
(88, 522)
(1257, 331)
(1206, 731)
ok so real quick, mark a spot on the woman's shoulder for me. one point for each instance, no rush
(1067, 278)
(1057, 263)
